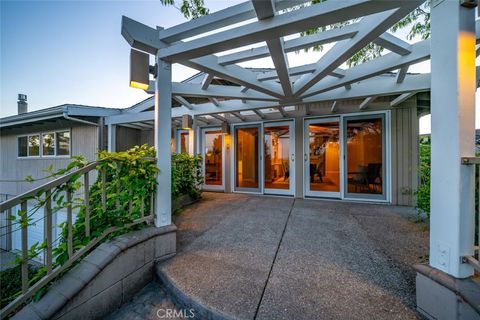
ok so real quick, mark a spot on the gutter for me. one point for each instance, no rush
(66, 116)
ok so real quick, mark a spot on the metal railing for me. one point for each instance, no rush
(474, 260)
(54, 270)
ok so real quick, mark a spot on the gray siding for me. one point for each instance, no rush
(84, 142)
(404, 153)
(127, 138)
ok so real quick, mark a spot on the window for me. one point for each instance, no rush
(45, 144)
(23, 146)
(48, 144)
(63, 143)
(34, 145)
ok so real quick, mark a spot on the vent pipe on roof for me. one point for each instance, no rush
(22, 103)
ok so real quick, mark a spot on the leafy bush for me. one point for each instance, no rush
(130, 180)
(186, 175)
(423, 192)
(10, 281)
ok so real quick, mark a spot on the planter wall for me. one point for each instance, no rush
(109, 276)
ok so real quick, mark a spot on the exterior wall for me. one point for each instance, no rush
(403, 142)
(84, 142)
(405, 157)
(127, 138)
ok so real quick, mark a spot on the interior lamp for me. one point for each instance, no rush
(139, 70)
(187, 122)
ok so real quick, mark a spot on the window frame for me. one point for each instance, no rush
(40, 153)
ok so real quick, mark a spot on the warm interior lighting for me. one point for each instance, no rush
(138, 85)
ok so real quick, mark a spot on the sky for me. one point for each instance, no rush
(61, 52)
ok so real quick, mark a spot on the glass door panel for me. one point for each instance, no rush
(278, 148)
(212, 153)
(247, 158)
(322, 165)
(365, 157)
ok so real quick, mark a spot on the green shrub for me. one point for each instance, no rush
(130, 180)
(423, 192)
(186, 175)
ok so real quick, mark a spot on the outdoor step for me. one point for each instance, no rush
(152, 302)
(186, 302)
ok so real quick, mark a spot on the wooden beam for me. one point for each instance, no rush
(183, 102)
(371, 27)
(214, 101)
(293, 45)
(282, 112)
(365, 103)
(334, 107)
(207, 80)
(265, 9)
(392, 43)
(238, 115)
(318, 15)
(218, 117)
(259, 113)
(402, 72)
(401, 98)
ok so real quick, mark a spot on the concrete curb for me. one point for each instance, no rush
(119, 264)
(182, 300)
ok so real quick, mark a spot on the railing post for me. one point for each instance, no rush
(86, 188)
(69, 225)
(103, 186)
(48, 230)
(24, 224)
(118, 186)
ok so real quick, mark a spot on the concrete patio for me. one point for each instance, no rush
(250, 257)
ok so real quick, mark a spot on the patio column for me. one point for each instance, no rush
(112, 141)
(453, 132)
(162, 133)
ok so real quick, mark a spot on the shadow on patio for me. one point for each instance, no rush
(254, 257)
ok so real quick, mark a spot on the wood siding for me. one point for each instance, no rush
(405, 156)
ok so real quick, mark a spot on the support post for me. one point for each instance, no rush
(112, 141)
(162, 133)
(453, 136)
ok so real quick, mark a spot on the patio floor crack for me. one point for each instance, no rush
(273, 262)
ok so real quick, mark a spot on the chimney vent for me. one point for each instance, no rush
(22, 103)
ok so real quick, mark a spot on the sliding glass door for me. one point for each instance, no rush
(345, 157)
(322, 157)
(365, 157)
(247, 158)
(213, 161)
(279, 157)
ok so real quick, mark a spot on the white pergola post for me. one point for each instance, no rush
(112, 141)
(162, 133)
(453, 133)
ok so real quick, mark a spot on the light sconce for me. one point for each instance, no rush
(187, 122)
(139, 70)
(225, 128)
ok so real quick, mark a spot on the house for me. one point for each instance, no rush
(31, 142)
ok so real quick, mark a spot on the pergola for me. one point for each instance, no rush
(198, 44)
